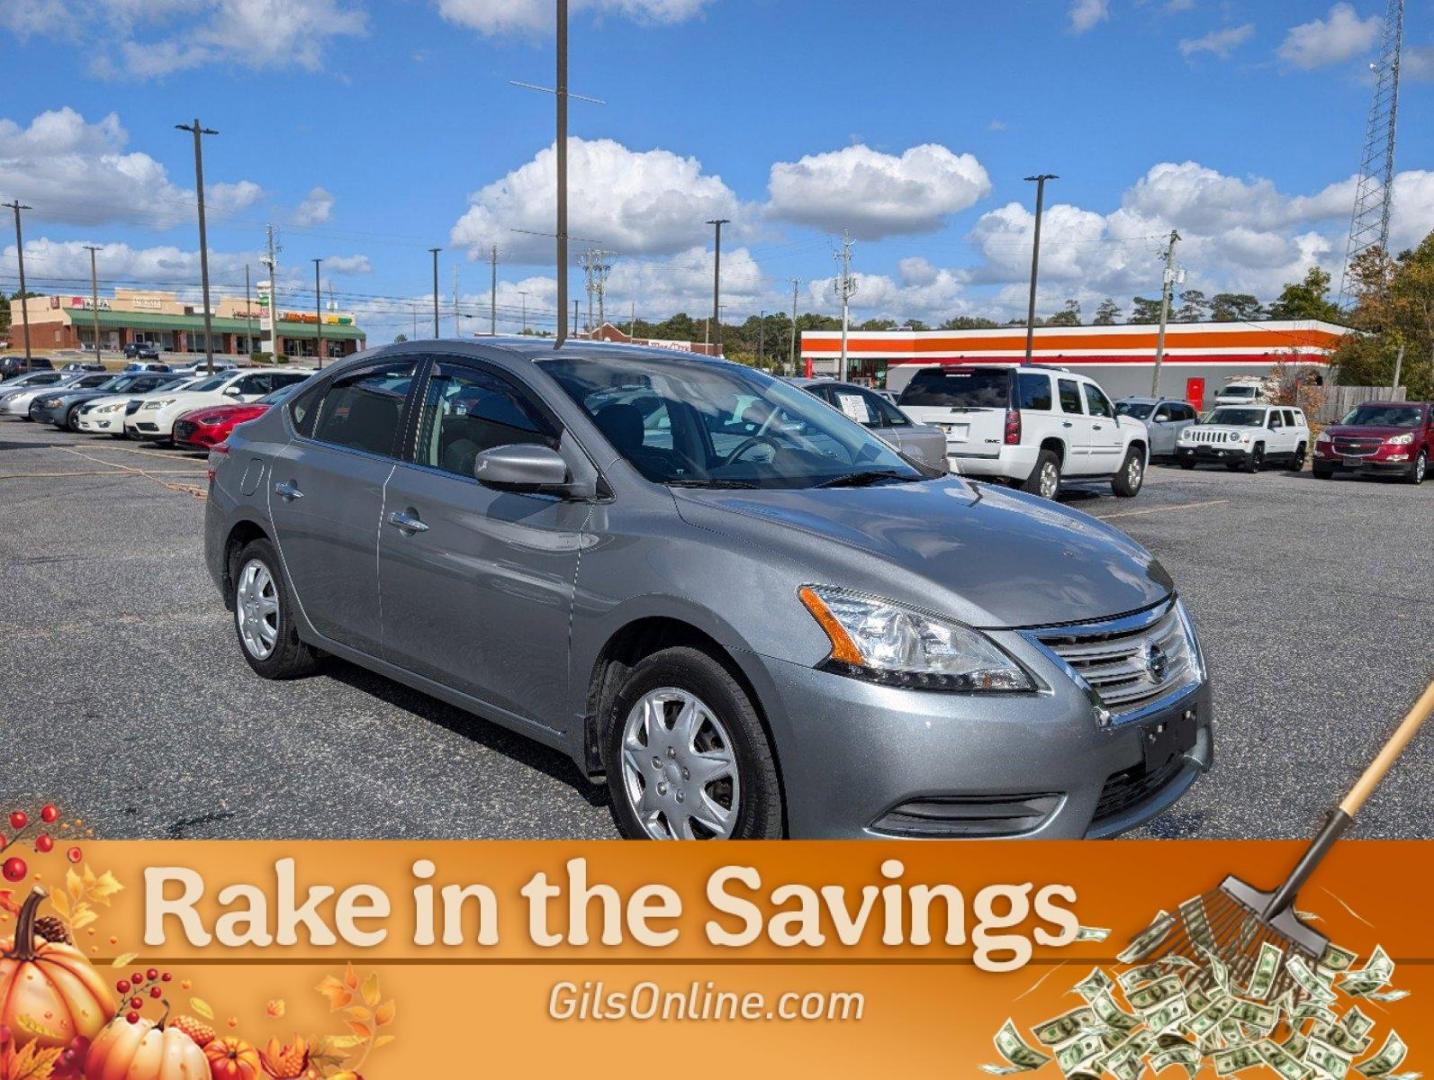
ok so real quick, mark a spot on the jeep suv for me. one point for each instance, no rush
(1390, 437)
(1246, 437)
(1033, 426)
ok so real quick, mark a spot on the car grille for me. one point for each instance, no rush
(1129, 668)
(131, 407)
(1198, 435)
(1133, 786)
(1355, 446)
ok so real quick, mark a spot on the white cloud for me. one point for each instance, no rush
(1219, 43)
(1085, 14)
(876, 194)
(1417, 63)
(62, 266)
(632, 202)
(1339, 36)
(348, 264)
(318, 204)
(78, 173)
(153, 38)
(495, 17)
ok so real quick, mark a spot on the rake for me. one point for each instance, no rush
(1232, 922)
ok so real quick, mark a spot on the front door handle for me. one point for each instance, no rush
(287, 489)
(1098, 427)
(406, 522)
(1066, 423)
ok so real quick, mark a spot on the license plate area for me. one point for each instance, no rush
(1166, 739)
(957, 432)
(1353, 462)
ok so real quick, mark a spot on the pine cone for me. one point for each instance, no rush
(52, 929)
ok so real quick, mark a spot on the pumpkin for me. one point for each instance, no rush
(49, 993)
(144, 1050)
(233, 1059)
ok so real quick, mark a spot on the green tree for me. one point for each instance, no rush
(1307, 299)
(1193, 306)
(1235, 307)
(878, 324)
(400, 339)
(1394, 306)
(969, 322)
(1143, 310)
(1067, 316)
(4, 313)
(1107, 314)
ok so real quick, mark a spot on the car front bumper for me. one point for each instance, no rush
(1209, 454)
(42, 415)
(188, 435)
(861, 760)
(1377, 465)
(103, 423)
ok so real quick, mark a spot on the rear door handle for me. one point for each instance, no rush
(406, 522)
(287, 489)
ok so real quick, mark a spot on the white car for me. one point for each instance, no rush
(154, 419)
(1246, 437)
(1245, 390)
(105, 415)
(1029, 424)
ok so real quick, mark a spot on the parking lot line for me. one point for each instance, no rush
(1161, 509)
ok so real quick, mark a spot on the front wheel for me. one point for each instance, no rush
(1322, 472)
(686, 756)
(1255, 460)
(1131, 476)
(1187, 464)
(263, 615)
(72, 419)
(1419, 467)
(1045, 478)
(1297, 461)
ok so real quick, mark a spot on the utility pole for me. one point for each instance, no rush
(94, 298)
(717, 224)
(318, 315)
(435, 252)
(600, 272)
(575, 317)
(560, 92)
(493, 296)
(199, 131)
(248, 313)
(457, 325)
(415, 322)
(761, 337)
(17, 206)
(1166, 288)
(524, 295)
(273, 264)
(846, 288)
(1040, 182)
(795, 286)
(632, 323)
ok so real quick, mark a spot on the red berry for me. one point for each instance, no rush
(166, 977)
(49, 813)
(14, 869)
(19, 819)
(137, 978)
(132, 1017)
(136, 1003)
(74, 854)
(122, 986)
(155, 992)
(152, 974)
(43, 844)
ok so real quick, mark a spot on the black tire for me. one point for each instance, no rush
(290, 658)
(72, 419)
(1046, 462)
(759, 810)
(1131, 477)
(1322, 472)
(1255, 459)
(1418, 468)
(1187, 465)
(1297, 459)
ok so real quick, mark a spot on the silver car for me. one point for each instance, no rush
(1164, 419)
(924, 442)
(739, 609)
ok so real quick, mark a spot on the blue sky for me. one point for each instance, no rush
(371, 130)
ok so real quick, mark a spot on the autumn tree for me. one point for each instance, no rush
(1394, 306)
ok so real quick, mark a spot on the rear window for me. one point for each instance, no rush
(959, 388)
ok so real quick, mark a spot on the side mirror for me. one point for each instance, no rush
(231, 391)
(520, 465)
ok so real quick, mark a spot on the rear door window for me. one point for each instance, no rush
(1070, 396)
(362, 410)
(1289, 418)
(1034, 391)
(959, 388)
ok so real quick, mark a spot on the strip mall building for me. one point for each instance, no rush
(1199, 357)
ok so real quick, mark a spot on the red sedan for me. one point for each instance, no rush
(206, 428)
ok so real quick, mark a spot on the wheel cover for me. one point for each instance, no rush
(1050, 480)
(1133, 472)
(1421, 463)
(256, 609)
(679, 768)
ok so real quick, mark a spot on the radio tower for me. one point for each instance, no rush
(1369, 224)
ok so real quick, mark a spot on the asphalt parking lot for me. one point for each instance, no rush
(126, 698)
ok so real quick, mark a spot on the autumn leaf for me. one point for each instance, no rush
(276, 1008)
(32, 1063)
(61, 903)
(74, 885)
(337, 993)
(202, 1007)
(123, 960)
(371, 994)
(363, 1031)
(383, 1040)
(351, 979)
(103, 888)
(359, 1013)
(7, 902)
(384, 1014)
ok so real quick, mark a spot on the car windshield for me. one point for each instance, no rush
(700, 424)
(1237, 417)
(1138, 409)
(1384, 416)
(276, 396)
(1238, 391)
(959, 388)
(212, 383)
(114, 382)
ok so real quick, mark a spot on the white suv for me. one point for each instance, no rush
(1246, 437)
(1031, 425)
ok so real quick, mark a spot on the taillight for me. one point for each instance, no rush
(1013, 427)
(216, 451)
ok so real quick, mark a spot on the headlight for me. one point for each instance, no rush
(1401, 440)
(1323, 436)
(889, 643)
(50, 403)
(116, 407)
(160, 404)
(1245, 437)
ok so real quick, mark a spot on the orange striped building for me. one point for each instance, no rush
(1120, 358)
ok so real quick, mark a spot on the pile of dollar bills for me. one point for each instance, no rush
(1299, 1019)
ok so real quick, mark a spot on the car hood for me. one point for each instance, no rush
(983, 554)
(1369, 431)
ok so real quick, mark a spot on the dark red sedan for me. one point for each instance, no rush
(206, 428)
(1391, 438)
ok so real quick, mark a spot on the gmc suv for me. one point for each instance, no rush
(1389, 437)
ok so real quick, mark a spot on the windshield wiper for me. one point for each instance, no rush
(863, 479)
(748, 484)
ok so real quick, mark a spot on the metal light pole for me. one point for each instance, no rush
(17, 206)
(793, 356)
(1040, 182)
(560, 93)
(248, 313)
(1167, 286)
(435, 252)
(717, 224)
(199, 131)
(318, 316)
(94, 299)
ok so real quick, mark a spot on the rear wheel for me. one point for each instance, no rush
(1045, 478)
(1419, 467)
(1131, 476)
(1322, 472)
(1297, 459)
(1255, 460)
(263, 615)
(686, 756)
